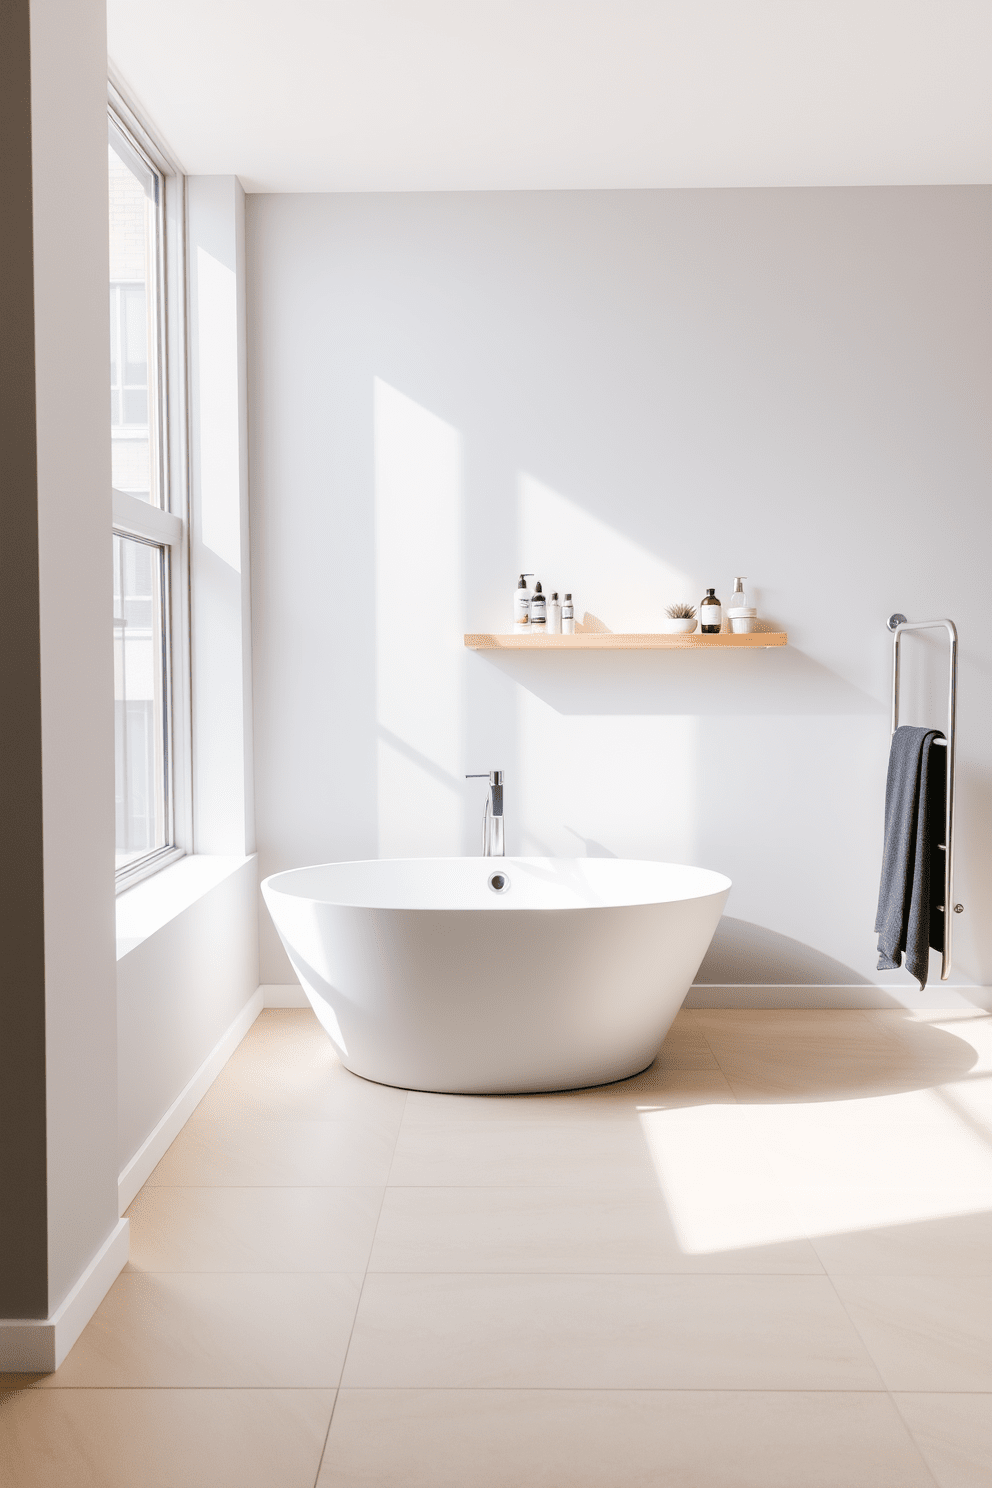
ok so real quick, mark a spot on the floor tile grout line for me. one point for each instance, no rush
(885, 1385)
(654, 1389)
(574, 1275)
(361, 1289)
(719, 1066)
(893, 1396)
(475, 1389)
(682, 1275)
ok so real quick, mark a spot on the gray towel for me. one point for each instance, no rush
(907, 918)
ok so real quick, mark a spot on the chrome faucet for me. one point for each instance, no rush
(492, 821)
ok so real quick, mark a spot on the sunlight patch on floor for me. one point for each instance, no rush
(744, 1175)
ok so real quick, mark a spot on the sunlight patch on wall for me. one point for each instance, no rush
(419, 627)
(607, 573)
(575, 778)
(570, 793)
(217, 424)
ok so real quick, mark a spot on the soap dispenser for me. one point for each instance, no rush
(739, 599)
(741, 612)
(521, 603)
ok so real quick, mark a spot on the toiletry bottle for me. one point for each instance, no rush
(739, 599)
(521, 604)
(710, 613)
(538, 609)
(554, 614)
(567, 616)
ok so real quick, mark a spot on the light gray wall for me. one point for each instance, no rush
(58, 692)
(178, 993)
(636, 394)
(72, 339)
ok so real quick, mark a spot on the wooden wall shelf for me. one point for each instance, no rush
(597, 640)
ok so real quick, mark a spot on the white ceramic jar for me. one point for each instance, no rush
(743, 621)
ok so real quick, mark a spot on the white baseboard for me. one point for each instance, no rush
(755, 995)
(38, 1346)
(935, 995)
(161, 1138)
(284, 995)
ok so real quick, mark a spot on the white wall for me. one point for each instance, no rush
(187, 969)
(69, 145)
(636, 394)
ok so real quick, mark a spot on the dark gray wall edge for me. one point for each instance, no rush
(23, 1184)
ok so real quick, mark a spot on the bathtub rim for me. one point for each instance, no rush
(714, 882)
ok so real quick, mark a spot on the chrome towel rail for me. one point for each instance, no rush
(898, 624)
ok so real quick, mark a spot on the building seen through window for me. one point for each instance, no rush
(141, 566)
(133, 279)
(139, 698)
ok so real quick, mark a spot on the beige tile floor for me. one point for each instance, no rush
(764, 1263)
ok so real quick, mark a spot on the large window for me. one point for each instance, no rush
(149, 503)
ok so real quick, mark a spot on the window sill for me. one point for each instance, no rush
(147, 866)
(155, 901)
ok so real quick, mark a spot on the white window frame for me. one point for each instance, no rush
(166, 525)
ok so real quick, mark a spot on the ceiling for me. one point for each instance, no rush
(420, 95)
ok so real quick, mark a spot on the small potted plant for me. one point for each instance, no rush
(681, 619)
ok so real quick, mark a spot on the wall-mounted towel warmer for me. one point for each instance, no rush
(898, 624)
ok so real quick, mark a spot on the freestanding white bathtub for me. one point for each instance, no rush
(494, 975)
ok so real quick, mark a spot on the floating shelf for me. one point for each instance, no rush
(608, 640)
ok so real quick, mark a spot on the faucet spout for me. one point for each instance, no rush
(492, 819)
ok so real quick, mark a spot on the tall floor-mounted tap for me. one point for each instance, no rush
(492, 821)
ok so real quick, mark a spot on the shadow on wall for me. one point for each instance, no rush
(593, 849)
(973, 870)
(777, 681)
(744, 954)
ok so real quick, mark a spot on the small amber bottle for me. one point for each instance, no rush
(710, 613)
